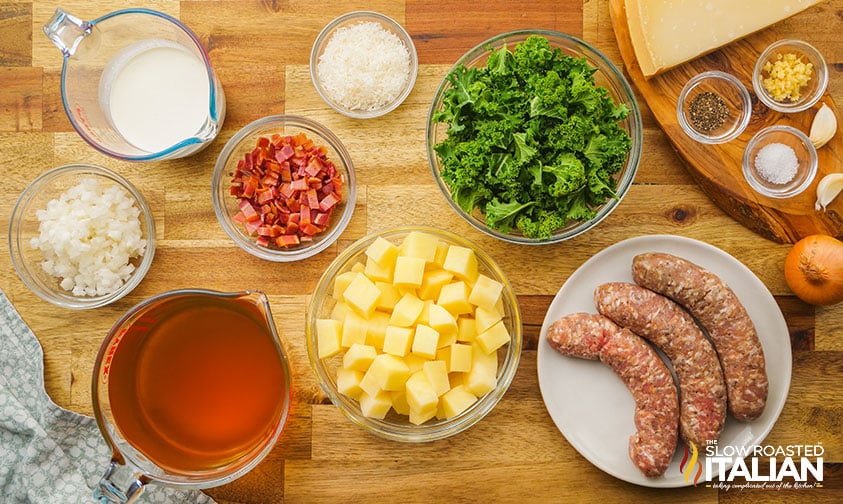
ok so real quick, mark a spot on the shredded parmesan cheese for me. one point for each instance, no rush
(364, 66)
(88, 236)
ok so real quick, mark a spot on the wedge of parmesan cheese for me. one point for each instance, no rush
(666, 33)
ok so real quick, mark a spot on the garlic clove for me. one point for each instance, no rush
(828, 189)
(824, 126)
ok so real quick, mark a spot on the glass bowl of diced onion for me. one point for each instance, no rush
(81, 236)
(363, 64)
(284, 188)
(414, 333)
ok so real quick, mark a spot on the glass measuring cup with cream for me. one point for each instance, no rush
(137, 84)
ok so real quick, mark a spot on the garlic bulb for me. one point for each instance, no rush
(828, 189)
(824, 126)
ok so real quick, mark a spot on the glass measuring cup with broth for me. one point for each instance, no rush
(191, 388)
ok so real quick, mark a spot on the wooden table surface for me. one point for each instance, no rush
(260, 50)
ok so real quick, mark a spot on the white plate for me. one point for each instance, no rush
(593, 408)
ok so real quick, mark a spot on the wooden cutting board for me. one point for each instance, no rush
(717, 168)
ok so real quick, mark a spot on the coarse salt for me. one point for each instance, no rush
(364, 66)
(89, 236)
(777, 163)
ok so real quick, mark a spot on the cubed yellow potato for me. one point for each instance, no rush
(348, 382)
(339, 310)
(466, 329)
(424, 317)
(341, 282)
(376, 406)
(407, 311)
(420, 245)
(493, 338)
(328, 337)
(409, 272)
(441, 253)
(390, 371)
(383, 252)
(369, 383)
(457, 356)
(486, 292)
(479, 381)
(362, 295)
(436, 372)
(359, 357)
(398, 340)
(399, 402)
(354, 328)
(462, 262)
(425, 341)
(358, 267)
(446, 339)
(414, 362)
(389, 296)
(421, 396)
(487, 362)
(376, 272)
(376, 329)
(432, 283)
(420, 417)
(454, 298)
(441, 319)
(456, 400)
(484, 319)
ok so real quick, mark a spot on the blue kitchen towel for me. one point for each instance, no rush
(49, 454)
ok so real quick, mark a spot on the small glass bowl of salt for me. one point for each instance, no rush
(779, 161)
(363, 64)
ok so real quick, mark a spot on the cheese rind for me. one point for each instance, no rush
(666, 33)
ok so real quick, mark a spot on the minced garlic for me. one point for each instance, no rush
(787, 75)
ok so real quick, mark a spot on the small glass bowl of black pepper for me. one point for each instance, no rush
(780, 161)
(714, 107)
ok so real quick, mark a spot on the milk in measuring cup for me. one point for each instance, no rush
(156, 94)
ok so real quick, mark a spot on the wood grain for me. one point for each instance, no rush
(260, 50)
(717, 168)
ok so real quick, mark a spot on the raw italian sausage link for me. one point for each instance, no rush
(721, 313)
(591, 336)
(702, 391)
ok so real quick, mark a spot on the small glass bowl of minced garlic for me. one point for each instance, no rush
(790, 76)
(714, 107)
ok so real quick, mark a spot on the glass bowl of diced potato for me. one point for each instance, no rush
(414, 333)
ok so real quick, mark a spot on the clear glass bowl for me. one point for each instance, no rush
(607, 75)
(350, 19)
(243, 142)
(810, 93)
(734, 98)
(24, 226)
(393, 426)
(805, 152)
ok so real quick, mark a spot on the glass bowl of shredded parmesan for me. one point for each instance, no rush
(81, 236)
(780, 162)
(363, 64)
(790, 76)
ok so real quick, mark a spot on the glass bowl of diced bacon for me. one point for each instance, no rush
(284, 188)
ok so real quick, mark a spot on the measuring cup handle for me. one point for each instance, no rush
(66, 31)
(117, 478)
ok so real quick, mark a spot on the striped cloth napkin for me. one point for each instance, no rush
(47, 453)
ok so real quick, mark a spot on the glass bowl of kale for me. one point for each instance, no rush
(534, 136)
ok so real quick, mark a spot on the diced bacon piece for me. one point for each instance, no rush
(312, 198)
(286, 241)
(322, 219)
(328, 202)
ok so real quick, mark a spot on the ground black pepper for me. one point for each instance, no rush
(708, 111)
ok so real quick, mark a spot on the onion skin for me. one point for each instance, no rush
(813, 269)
